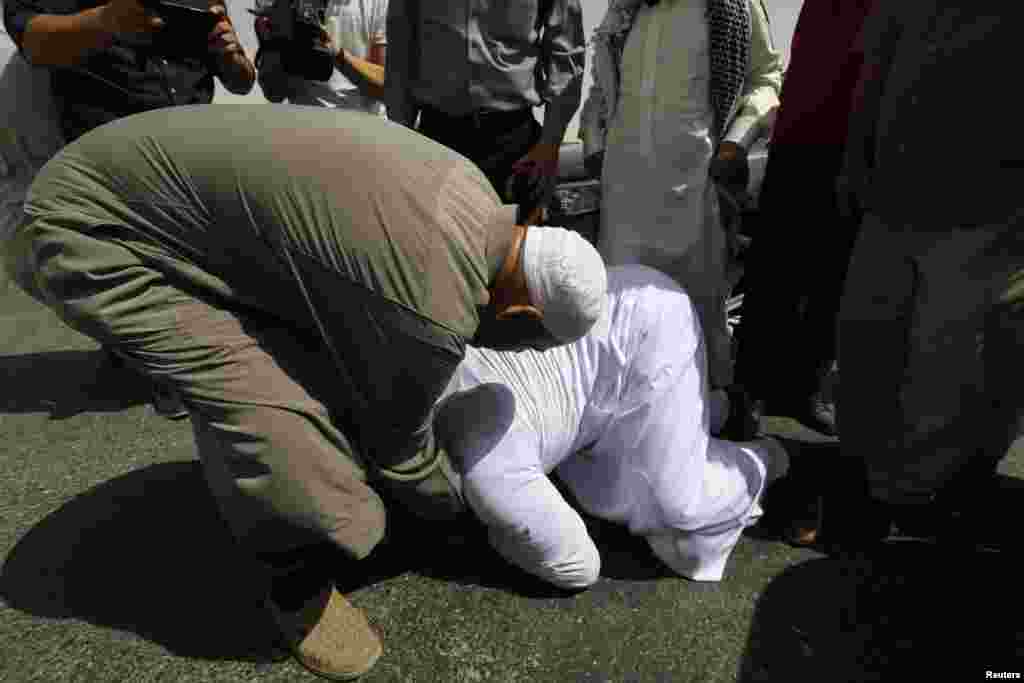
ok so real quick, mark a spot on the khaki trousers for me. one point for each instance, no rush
(274, 424)
(930, 334)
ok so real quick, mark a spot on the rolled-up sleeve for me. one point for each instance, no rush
(562, 62)
(764, 80)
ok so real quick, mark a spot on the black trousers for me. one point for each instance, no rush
(492, 140)
(795, 270)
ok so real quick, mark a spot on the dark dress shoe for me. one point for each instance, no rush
(871, 521)
(793, 504)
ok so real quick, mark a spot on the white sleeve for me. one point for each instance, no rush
(498, 456)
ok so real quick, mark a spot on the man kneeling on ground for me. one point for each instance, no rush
(624, 417)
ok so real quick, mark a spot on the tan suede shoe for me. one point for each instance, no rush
(329, 636)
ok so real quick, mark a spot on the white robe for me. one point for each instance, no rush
(623, 417)
(659, 208)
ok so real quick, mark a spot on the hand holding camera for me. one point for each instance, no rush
(187, 27)
(293, 30)
(223, 40)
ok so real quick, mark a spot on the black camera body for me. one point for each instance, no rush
(187, 25)
(297, 27)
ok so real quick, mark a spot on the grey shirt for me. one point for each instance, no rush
(463, 57)
(923, 146)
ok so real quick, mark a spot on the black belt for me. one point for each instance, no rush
(481, 118)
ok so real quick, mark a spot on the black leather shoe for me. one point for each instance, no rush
(872, 521)
(793, 504)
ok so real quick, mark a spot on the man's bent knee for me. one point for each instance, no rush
(279, 486)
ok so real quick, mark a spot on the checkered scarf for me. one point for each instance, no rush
(729, 26)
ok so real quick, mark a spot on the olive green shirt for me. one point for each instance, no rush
(204, 190)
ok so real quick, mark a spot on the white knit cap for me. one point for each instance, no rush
(567, 280)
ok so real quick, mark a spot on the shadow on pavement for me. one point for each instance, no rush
(625, 557)
(145, 552)
(66, 383)
(906, 611)
(461, 554)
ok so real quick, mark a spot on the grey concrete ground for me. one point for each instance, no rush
(116, 568)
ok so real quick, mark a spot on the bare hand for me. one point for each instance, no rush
(531, 182)
(223, 41)
(541, 162)
(327, 42)
(126, 17)
(730, 167)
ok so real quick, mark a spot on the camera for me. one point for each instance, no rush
(188, 23)
(297, 28)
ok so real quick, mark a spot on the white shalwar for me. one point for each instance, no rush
(658, 207)
(622, 415)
